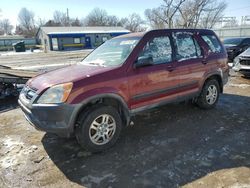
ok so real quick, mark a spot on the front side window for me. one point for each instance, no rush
(113, 52)
(159, 48)
(187, 46)
(213, 43)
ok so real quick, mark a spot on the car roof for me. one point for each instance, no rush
(237, 38)
(141, 34)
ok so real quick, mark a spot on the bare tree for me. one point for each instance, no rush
(61, 18)
(113, 21)
(154, 20)
(97, 17)
(165, 14)
(200, 13)
(26, 19)
(133, 23)
(6, 27)
(26, 22)
(75, 22)
(100, 17)
(213, 15)
(41, 22)
(186, 14)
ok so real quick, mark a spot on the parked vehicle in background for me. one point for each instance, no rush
(242, 63)
(126, 75)
(235, 46)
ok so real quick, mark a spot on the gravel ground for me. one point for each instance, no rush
(172, 146)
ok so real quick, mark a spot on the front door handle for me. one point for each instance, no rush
(204, 61)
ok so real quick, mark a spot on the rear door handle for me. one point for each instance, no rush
(170, 68)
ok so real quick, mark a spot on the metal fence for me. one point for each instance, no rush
(242, 31)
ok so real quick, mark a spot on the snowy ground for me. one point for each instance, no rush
(176, 145)
(12, 53)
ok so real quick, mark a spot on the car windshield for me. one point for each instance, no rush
(112, 53)
(233, 41)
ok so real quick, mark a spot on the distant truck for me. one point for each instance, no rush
(236, 46)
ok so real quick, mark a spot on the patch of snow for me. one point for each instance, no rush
(20, 53)
(9, 143)
(243, 86)
(97, 180)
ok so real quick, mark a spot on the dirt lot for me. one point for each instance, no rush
(175, 145)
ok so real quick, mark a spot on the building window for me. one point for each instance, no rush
(77, 40)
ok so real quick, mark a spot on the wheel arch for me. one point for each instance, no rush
(217, 77)
(109, 99)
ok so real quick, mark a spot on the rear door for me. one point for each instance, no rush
(150, 85)
(191, 63)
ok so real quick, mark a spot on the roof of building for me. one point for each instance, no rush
(64, 30)
(6, 37)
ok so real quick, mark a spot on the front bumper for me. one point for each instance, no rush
(52, 118)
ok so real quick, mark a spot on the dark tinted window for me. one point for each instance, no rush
(233, 41)
(213, 43)
(159, 48)
(187, 46)
(246, 42)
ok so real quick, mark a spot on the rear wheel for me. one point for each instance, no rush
(99, 128)
(209, 95)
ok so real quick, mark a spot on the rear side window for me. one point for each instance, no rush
(187, 46)
(213, 43)
(159, 48)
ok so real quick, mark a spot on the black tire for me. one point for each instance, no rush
(201, 101)
(88, 117)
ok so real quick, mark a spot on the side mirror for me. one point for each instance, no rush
(144, 61)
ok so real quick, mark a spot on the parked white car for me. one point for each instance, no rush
(242, 63)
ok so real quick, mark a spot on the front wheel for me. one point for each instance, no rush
(99, 128)
(209, 95)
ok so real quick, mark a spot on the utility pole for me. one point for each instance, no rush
(68, 15)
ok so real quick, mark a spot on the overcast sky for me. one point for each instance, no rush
(79, 8)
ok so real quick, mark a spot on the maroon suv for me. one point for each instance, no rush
(96, 98)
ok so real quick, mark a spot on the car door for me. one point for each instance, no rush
(191, 65)
(150, 85)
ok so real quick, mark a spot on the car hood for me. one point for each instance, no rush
(246, 53)
(67, 74)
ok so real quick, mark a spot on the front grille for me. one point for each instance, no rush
(245, 61)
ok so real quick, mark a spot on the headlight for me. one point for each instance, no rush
(236, 61)
(56, 94)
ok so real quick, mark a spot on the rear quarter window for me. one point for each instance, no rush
(213, 43)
